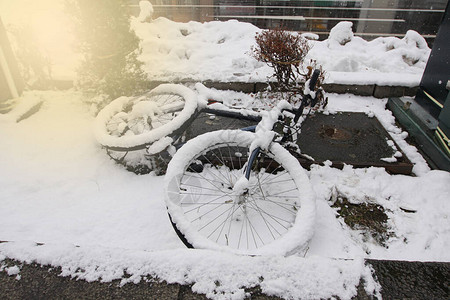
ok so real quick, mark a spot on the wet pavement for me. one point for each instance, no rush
(353, 139)
(412, 280)
(343, 138)
(398, 279)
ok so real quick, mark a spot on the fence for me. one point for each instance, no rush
(370, 19)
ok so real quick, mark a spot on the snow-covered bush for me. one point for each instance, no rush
(283, 51)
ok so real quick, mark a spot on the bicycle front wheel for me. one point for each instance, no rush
(132, 123)
(275, 214)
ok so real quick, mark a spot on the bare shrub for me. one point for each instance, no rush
(285, 52)
(282, 50)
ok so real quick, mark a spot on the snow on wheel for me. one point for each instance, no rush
(131, 123)
(275, 215)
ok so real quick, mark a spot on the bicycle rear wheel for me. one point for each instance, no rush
(132, 123)
(275, 215)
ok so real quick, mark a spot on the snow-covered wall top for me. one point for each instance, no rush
(219, 51)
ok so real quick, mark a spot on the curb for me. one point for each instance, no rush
(377, 91)
(398, 280)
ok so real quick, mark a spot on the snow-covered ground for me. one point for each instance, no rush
(100, 222)
(60, 188)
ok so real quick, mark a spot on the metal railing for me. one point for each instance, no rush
(316, 16)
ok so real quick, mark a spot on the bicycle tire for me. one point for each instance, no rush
(275, 217)
(133, 123)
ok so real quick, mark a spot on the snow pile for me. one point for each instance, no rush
(218, 275)
(340, 34)
(146, 12)
(391, 57)
(212, 50)
(422, 235)
(219, 51)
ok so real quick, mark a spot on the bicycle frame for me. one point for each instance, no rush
(306, 101)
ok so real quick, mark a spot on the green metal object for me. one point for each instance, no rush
(435, 156)
(443, 129)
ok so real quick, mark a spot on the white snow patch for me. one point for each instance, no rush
(145, 107)
(340, 34)
(146, 11)
(208, 51)
(218, 275)
(11, 271)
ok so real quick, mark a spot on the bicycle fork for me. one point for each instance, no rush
(240, 188)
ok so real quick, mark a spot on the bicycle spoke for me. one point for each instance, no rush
(215, 167)
(214, 219)
(209, 181)
(192, 175)
(278, 181)
(197, 207)
(202, 187)
(171, 107)
(282, 192)
(261, 215)
(272, 174)
(222, 161)
(261, 211)
(253, 230)
(277, 202)
(240, 233)
(229, 216)
(216, 188)
(275, 218)
(206, 213)
(264, 198)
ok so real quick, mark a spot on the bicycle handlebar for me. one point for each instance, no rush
(307, 98)
(314, 78)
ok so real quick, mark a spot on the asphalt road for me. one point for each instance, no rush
(399, 280)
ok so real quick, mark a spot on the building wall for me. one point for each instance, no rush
(370, 18)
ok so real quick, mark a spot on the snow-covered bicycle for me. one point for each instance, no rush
(137, 131)
(134, 123)
(243, 191)
(235, 190)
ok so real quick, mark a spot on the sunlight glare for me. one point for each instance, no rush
(51, 28)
